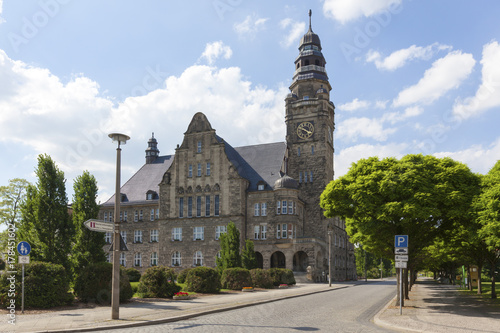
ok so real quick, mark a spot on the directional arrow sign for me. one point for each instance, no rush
(99, 225)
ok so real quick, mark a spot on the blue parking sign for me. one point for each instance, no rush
(401, 241)
(24, 248)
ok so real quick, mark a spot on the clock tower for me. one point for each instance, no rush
(310, 124)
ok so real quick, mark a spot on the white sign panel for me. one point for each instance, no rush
(403, 257)
(401, 264)
(401, 250)
(99, 225)
(23, 259)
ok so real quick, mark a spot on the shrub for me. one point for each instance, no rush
(203, 280)
(45, 285)
(158, 281)
(94, 284)
(133, 274)
(261, 278)
(281, 276)
(181, 278)
(236, 278)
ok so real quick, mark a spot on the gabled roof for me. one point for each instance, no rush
(145, 179)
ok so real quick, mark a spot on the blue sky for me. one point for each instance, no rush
(407, 77)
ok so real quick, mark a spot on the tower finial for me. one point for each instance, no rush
(310, 14)
(153, 134)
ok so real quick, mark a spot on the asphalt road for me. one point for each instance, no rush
(350, 309)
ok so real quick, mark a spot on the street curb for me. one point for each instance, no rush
(188, 316)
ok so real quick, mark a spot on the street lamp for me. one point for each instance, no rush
(115, 286)
(329, 258)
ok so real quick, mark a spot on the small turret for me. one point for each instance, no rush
(152, 151)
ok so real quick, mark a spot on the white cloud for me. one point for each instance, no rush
(344, 11)
(353, 128)
(395, 117)
(399, 58)
(478, 158)
(356, 104)
(215, 50)
(250, 26)
(445, 74)
(296, 30)
(488, 94)
(381, 104)
(346, 157)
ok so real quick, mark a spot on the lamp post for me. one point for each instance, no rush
(115, 286)
(329, 258)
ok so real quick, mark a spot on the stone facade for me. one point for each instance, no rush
(270, 191)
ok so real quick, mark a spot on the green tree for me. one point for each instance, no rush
(88, 244)
(229, 249)
(248, 258)
(11, 197)
(488, 210)
(45, 223)
(419, 196)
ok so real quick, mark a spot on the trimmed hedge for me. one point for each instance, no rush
(203, 280)
(45, 285)
(158, 281)
(133, 274)
(181, 278)
(261, 278)
(236, 278)
(94, 284)
(281, 276)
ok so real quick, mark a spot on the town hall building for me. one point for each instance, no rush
(174, 209)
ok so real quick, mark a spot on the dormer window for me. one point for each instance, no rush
(199, 147)
(151, 195)
(123, 197)
(260, 186)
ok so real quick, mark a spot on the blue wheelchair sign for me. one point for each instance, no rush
(24, 248)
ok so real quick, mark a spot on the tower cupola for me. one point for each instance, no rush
(152, 151)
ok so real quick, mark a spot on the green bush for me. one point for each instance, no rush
(281, 276)
(181, 278)
(133, 274)
(159, 282)
(236, 278)
(45, 285)
(261, 278)
(94, 282)
(203, 280)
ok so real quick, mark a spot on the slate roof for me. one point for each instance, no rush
(146, 178)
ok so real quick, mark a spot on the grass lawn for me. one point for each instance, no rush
(486, 295)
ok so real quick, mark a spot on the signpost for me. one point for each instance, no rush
(24, 249)
(401, 261)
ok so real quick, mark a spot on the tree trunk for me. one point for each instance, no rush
(469, 282)
(405, 283)
(479, 288)
(493, 263)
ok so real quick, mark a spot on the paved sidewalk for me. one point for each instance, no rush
(435, 307)
(138, 313)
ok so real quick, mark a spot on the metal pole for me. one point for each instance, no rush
(115, 288)
(329, 258)
(22, 289)
(400, 291)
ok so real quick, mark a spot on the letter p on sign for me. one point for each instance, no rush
(401, 241)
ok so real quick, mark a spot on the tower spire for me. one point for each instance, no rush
(310, 14)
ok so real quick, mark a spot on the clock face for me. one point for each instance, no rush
(305, 130)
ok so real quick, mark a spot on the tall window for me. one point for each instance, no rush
(111, 216)
(256, 232)
(140, 215)
(124, 235)
(278, 207)
(105, 216)
(300, 177)
(176, 258)
(263, 232)
(290, 207)
(278, 231)
(207, 205)
(123, 259)
(256, 209)
(138, 260)
(138, 236)
(198, 259)
(190, 170)
(208, 169)
(298, 151)
(216, 205)
(125, 216)
(305, 176)
(136, 216)
(154, 259)
(153, 236)
(181, 207)
(284, 230)
(198, 206)
(199, 147)
(198, 233)
(190, 206)
(312, 150)
(176, 234)
(199, 170)
(157, 213)
(219, 230)
(283, 209)
(121, 216)
(263, 209)
(152, 214)
(107, 238)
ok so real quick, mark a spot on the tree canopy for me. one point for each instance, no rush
(11, 197)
